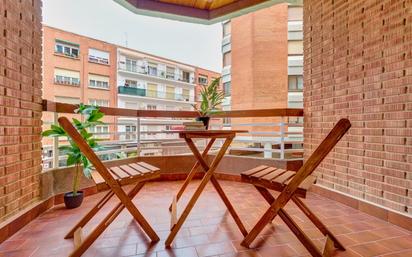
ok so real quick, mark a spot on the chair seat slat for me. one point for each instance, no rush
(284, 177)
(97, 178)
(119, 172)
(254, 170)
(139, 168)
(130, 170)
(148, 166)
(274, 174)
(264, 172)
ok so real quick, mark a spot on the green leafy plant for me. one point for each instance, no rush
(211, 97)
(75, 157)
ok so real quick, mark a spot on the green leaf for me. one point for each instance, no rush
(86, 167)
(73, 159)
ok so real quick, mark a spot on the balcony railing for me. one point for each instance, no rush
(148, 132)
(153, 93)
(154, 72)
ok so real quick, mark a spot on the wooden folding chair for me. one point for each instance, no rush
(293, 185)
(112, 178)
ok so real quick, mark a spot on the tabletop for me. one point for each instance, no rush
(214, 133)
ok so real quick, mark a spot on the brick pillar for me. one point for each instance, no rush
(358, 65)
(20, 104)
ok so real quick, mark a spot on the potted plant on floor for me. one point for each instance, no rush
(75, 157)
(211, 98)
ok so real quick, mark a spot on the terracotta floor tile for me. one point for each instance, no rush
(210, 230)
(281, 250)
(180, 252)
(214, 249)
(397, 243)
(404, 253)
(370, 249)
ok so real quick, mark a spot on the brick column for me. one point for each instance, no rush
(358, 64)
(20, 104)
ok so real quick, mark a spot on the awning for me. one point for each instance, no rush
(199, 11)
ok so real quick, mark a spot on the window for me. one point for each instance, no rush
(295, 82)
(101, 131)
(295, 13)
(297, 120)
(202, 79)
(226, 29)
(131, 65)
(98, 81)
(227, 59)
(66, 77)
(186, 94)
(99, 102)
(152, 69)
(66, 48)
(186, 76)
(98, 56)
(295, 47)
(151, 107)
(170, 72)
(227, 88)
(67, 99)
(130, 83)
(131, 131)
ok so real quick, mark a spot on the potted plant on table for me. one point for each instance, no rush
(211, 98)
(75, 157)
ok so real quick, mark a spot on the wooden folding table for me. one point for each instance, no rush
(209, 175)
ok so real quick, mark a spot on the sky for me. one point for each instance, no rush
(195, 44)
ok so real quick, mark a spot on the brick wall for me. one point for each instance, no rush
(358, 64)
(259, 71)
(20, 104)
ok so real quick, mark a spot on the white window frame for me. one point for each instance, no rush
(67, 47)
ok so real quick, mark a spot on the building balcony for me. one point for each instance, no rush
(153, 94)
(148, 72)
(210, 231)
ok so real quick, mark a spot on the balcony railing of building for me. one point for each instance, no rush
(154, 72)
(153, 93)
(153, 132)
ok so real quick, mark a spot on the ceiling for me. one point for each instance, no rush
(199, 11)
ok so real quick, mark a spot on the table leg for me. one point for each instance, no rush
(200, 188)
(192, 172)
(229, 206)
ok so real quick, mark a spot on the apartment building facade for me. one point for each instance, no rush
(263, 59)
(79, 69)
(203, 78)
(148, 82)
(263, 67)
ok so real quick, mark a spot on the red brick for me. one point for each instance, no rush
(370, 79)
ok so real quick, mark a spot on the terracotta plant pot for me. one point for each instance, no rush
(205, 121)
(73, 201)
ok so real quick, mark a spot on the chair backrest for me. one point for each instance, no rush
(338, 131)
(86, 150)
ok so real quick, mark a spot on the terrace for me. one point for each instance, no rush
(357, 66)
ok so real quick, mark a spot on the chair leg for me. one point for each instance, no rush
(316, 221)
(294, 227)
(303, 238)
(97, 231)
(126, 200)
(90, 214)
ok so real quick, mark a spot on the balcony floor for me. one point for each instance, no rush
(209, 230)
